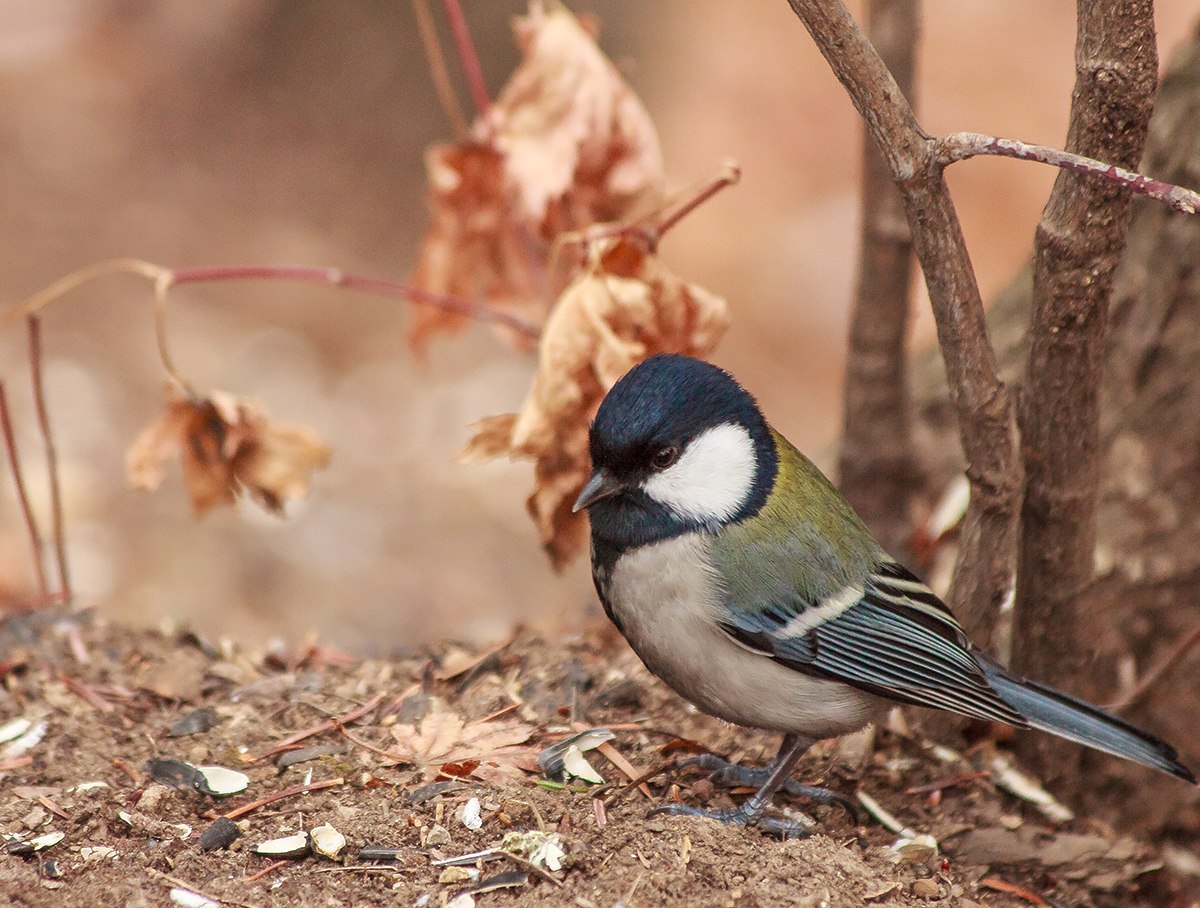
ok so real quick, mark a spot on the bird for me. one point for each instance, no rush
(742, 578)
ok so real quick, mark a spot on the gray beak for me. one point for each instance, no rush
(599, 487)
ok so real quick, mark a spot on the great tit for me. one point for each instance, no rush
(744, 580)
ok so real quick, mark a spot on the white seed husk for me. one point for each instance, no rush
(30, 738)
(189, 899)
(290, 846)
(575, 763)
(46, 840)
(472, 814)
(327, 842)
(222, 781)
(14, 728)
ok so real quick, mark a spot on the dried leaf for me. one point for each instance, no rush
(566, 145)
(626, 306)
(475, 248)
(572, 133)
(443, 737)
(226, 446)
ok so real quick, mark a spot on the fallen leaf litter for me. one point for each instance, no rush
(446, 800)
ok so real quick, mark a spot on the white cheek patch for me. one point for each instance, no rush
(712, 479)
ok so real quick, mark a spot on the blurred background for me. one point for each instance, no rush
(291, 132)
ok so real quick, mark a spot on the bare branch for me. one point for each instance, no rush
(875, 463)
(43, 418)
(1078, 245)
(1159, 671)
(959, 146)
(436, 61)
(982, 402)
(468, 56)
(14, 463)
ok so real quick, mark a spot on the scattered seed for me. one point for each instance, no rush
(290, 846)
(1015, 782)
(327, 842)
(423, 793)
(381, 854)
(304, 754)
(221, 782)
(552, 760)
(509, 879)
(472, 814)
(189, 899)
(98, 853)
(29, 738)
(13, 729)
(221, 834)
(198, 720)
(576, 764)
(174, 773)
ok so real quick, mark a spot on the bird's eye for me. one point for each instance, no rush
(664, 457)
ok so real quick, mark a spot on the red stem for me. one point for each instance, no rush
(468, 56)
(35, 538)
(335, 277)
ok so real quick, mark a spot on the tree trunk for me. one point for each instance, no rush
(1146, 594)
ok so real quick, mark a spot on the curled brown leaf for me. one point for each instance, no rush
(566, 145)
(226, 446)
(624, 307)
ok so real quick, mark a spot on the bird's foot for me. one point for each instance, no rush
(739, 816)
(723, 772)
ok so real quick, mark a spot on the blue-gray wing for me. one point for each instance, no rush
(892, 637)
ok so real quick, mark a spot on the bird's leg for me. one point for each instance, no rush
(723, 772)
(750, 813)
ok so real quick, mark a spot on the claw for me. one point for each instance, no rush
(723, 772)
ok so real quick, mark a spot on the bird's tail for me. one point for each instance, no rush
(1060, 714)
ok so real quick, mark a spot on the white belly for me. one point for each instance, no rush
(667, 601)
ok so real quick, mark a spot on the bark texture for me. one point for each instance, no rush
(986, 418)
(875, 466)
(1078, 245)
(1145, 596)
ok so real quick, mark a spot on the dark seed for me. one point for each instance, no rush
(221, 834)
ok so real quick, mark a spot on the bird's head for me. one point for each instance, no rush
(677, 445)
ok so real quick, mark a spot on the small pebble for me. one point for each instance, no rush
(926, 889)
(450, 875)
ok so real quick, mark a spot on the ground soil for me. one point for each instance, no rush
(109, 696)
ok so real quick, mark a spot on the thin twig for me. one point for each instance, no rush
(333, 277)
(281, 795)
(365, 745)
(270, 868)
(182, 884)
(86, 693)
(651, 228)
(959, 146)
(43, 418)
(14, 463)
(731, 176)
(468, 56)
(436, 61)
(982, 403)
(328, 725)
(639, 782)
(1173, 657)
